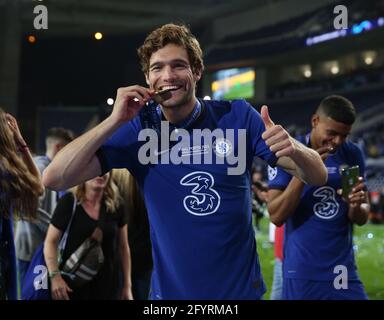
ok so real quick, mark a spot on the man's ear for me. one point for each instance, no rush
(58, 146)
(147, 80)
(197, 75)
(315, 120)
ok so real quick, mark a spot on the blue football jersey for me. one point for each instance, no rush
(318, 235)
(200, 216)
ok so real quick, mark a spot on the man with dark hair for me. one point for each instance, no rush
(337, 108)
(30, 234)
(198, 202)
(318, 255)
(56, 139)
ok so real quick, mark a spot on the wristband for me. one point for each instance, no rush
(23, 148)
(52, 274)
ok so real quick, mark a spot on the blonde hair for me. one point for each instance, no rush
(19, 188)
(111, 196)
(133, 200)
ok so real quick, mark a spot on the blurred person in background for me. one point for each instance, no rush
(138, 233)
(278, 245)
(30, 234)
(318, 221)
(98, 205)
(20, 187)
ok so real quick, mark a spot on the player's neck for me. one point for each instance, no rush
(178, 114)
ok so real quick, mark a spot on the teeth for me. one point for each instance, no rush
(169, 87)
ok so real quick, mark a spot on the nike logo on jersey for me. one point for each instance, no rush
(157, 153)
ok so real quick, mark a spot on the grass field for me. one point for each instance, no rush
(369, 253)
(244, 91)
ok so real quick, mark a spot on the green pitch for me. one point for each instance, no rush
(369, 253)
(244, 90)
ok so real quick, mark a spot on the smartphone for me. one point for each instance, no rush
(349, 177)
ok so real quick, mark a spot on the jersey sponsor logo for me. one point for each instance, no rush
(222, 147)
(332, 170)
(327, 207)
(272, 173)
(203, 200)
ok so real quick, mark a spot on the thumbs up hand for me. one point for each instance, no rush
(276, 137)
(266, 119)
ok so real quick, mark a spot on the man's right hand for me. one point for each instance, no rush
(77, 161)
(129, 101)
(324, 152)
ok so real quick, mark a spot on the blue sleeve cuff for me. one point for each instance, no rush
(276, 186)
(271, 160)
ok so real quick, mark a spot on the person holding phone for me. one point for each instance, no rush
(318, 255)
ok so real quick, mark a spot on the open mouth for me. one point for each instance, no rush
(163, 93)
(167, 88)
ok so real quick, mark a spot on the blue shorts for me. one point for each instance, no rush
(302, 289)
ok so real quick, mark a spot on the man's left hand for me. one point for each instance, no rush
(358, 195)
(276, 137)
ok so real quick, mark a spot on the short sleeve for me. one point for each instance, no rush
(259, 147)
(120, 150)
(63, 212)
(278, 178)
